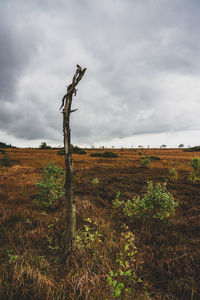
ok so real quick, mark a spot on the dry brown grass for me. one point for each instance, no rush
(168, 255)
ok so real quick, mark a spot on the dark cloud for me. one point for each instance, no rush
(142, 58)
(17, 47)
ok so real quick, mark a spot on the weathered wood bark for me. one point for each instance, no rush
(70, 203)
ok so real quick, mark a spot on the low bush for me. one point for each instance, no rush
(74, 149)
(173, 174)
(145, 162)
(51, 185)
(95, 181)
(110, 154)
(157, 203)
(187, 150)
(123, 278)
(196, 148)
(97, 154)
(195, 164)
(81, 152)
(192, 149)
(89, 236)
(107, 154)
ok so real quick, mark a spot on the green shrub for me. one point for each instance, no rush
(192, 149)
(139, 153)
(145, 162)
(89, 236)
(107, 154)
(74, 149)
(195, 164)
(97, 154)
(51, 185)
(157, 203)
(188, 150)
(110, 154)
(95, 181)
(123, 278)
(81, 152)
(173, 174)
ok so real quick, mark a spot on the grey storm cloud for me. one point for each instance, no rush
(142, 59)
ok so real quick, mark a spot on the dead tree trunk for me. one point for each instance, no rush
(70, 203)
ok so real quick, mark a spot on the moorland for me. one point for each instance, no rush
(161, 258)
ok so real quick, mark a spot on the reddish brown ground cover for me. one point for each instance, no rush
(168, 255)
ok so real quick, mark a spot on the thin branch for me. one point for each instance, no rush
(63, 101)
(73, 110)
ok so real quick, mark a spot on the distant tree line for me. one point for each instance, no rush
(192, 149)
(61, 151)
(4, 145)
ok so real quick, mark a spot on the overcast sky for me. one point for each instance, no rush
(142, 84)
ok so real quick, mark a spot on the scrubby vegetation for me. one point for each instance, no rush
(173, 174)
(192, 149)
(96, 154)
(74, 149)
(195, 164)
(157, 203)
(146, 247)
(51, 185)
(145, 162)
(107, 154)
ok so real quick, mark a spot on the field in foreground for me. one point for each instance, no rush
(167, 260)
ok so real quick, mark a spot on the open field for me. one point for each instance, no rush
(168, 255)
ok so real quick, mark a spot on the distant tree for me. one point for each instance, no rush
(44, 145)
(181, 146)
(163, 146)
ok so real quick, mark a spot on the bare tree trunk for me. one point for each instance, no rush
(70, 203)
